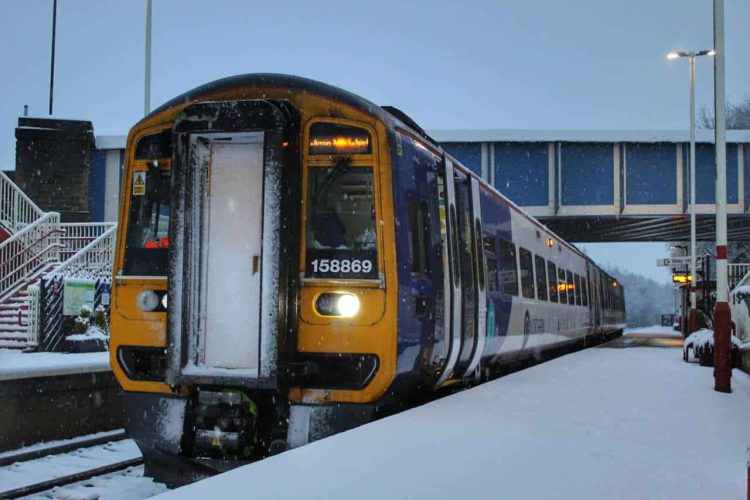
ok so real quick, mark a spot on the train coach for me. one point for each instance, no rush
(294, 260)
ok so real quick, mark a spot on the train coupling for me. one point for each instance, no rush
(225, 424)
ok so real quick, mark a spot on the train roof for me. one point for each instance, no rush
(385, 113)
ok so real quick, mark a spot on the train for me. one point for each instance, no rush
(293, 261)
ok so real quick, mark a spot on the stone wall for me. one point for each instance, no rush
(52, 164)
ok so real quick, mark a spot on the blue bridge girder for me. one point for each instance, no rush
(610, 185)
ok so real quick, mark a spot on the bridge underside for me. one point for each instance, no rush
(598, 229)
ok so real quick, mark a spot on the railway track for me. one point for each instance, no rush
(69, 479)
(42, 468)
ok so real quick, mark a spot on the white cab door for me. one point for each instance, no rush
(233, 243)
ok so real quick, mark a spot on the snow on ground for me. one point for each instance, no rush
(123, 485)
(20, 474)
(15, 364)
(601, 423)
(665, 330)
(58, 442)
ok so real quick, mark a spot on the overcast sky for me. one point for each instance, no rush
(578, 64)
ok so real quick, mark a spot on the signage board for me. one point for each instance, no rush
(76, 294)
(676, 261)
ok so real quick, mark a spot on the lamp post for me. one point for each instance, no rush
(147, 72)
(692, 324)
(52, 60)
(722, 315)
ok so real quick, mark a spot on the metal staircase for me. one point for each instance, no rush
(34, 243)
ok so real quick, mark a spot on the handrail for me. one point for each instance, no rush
(736, 272)
(30, 244)
(17, 210)
(97, 256)
(31, 227)
(26, 251)
(79, 234)
(93, 261)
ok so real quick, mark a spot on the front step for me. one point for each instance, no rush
(17, 344)
(15, 337)
(7, 328)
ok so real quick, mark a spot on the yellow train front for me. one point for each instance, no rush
(293, 260)
(255, 282)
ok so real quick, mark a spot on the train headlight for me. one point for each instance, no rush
(147, 300)
(345, 305)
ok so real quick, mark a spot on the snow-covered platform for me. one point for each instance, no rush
(17, 365)
(49, 396)
(634, 422)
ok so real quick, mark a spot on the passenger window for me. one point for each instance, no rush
(488, 242)
(571, 288)
(578, 290)
(527, 273)
(490, 251)
(584, 291)
(562, 287)
(491, 274)
(419, 236)
(508, 273)
(541, 278)
(552, 280)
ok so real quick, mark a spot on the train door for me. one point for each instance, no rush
(465, 225)
(225, 262)
(232, 236)
(451, 267)
(593, 303)
(472, 271)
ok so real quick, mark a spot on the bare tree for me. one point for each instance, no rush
(738, 116)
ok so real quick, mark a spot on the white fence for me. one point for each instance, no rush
(29, 252)
(33, 316)
(94, 260)
(735, 274)
(77, 235)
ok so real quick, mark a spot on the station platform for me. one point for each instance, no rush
(629, 419)
(16, 365)
(51, 396)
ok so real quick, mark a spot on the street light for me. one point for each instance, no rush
(691, 57)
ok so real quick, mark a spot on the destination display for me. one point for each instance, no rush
(332, 138)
